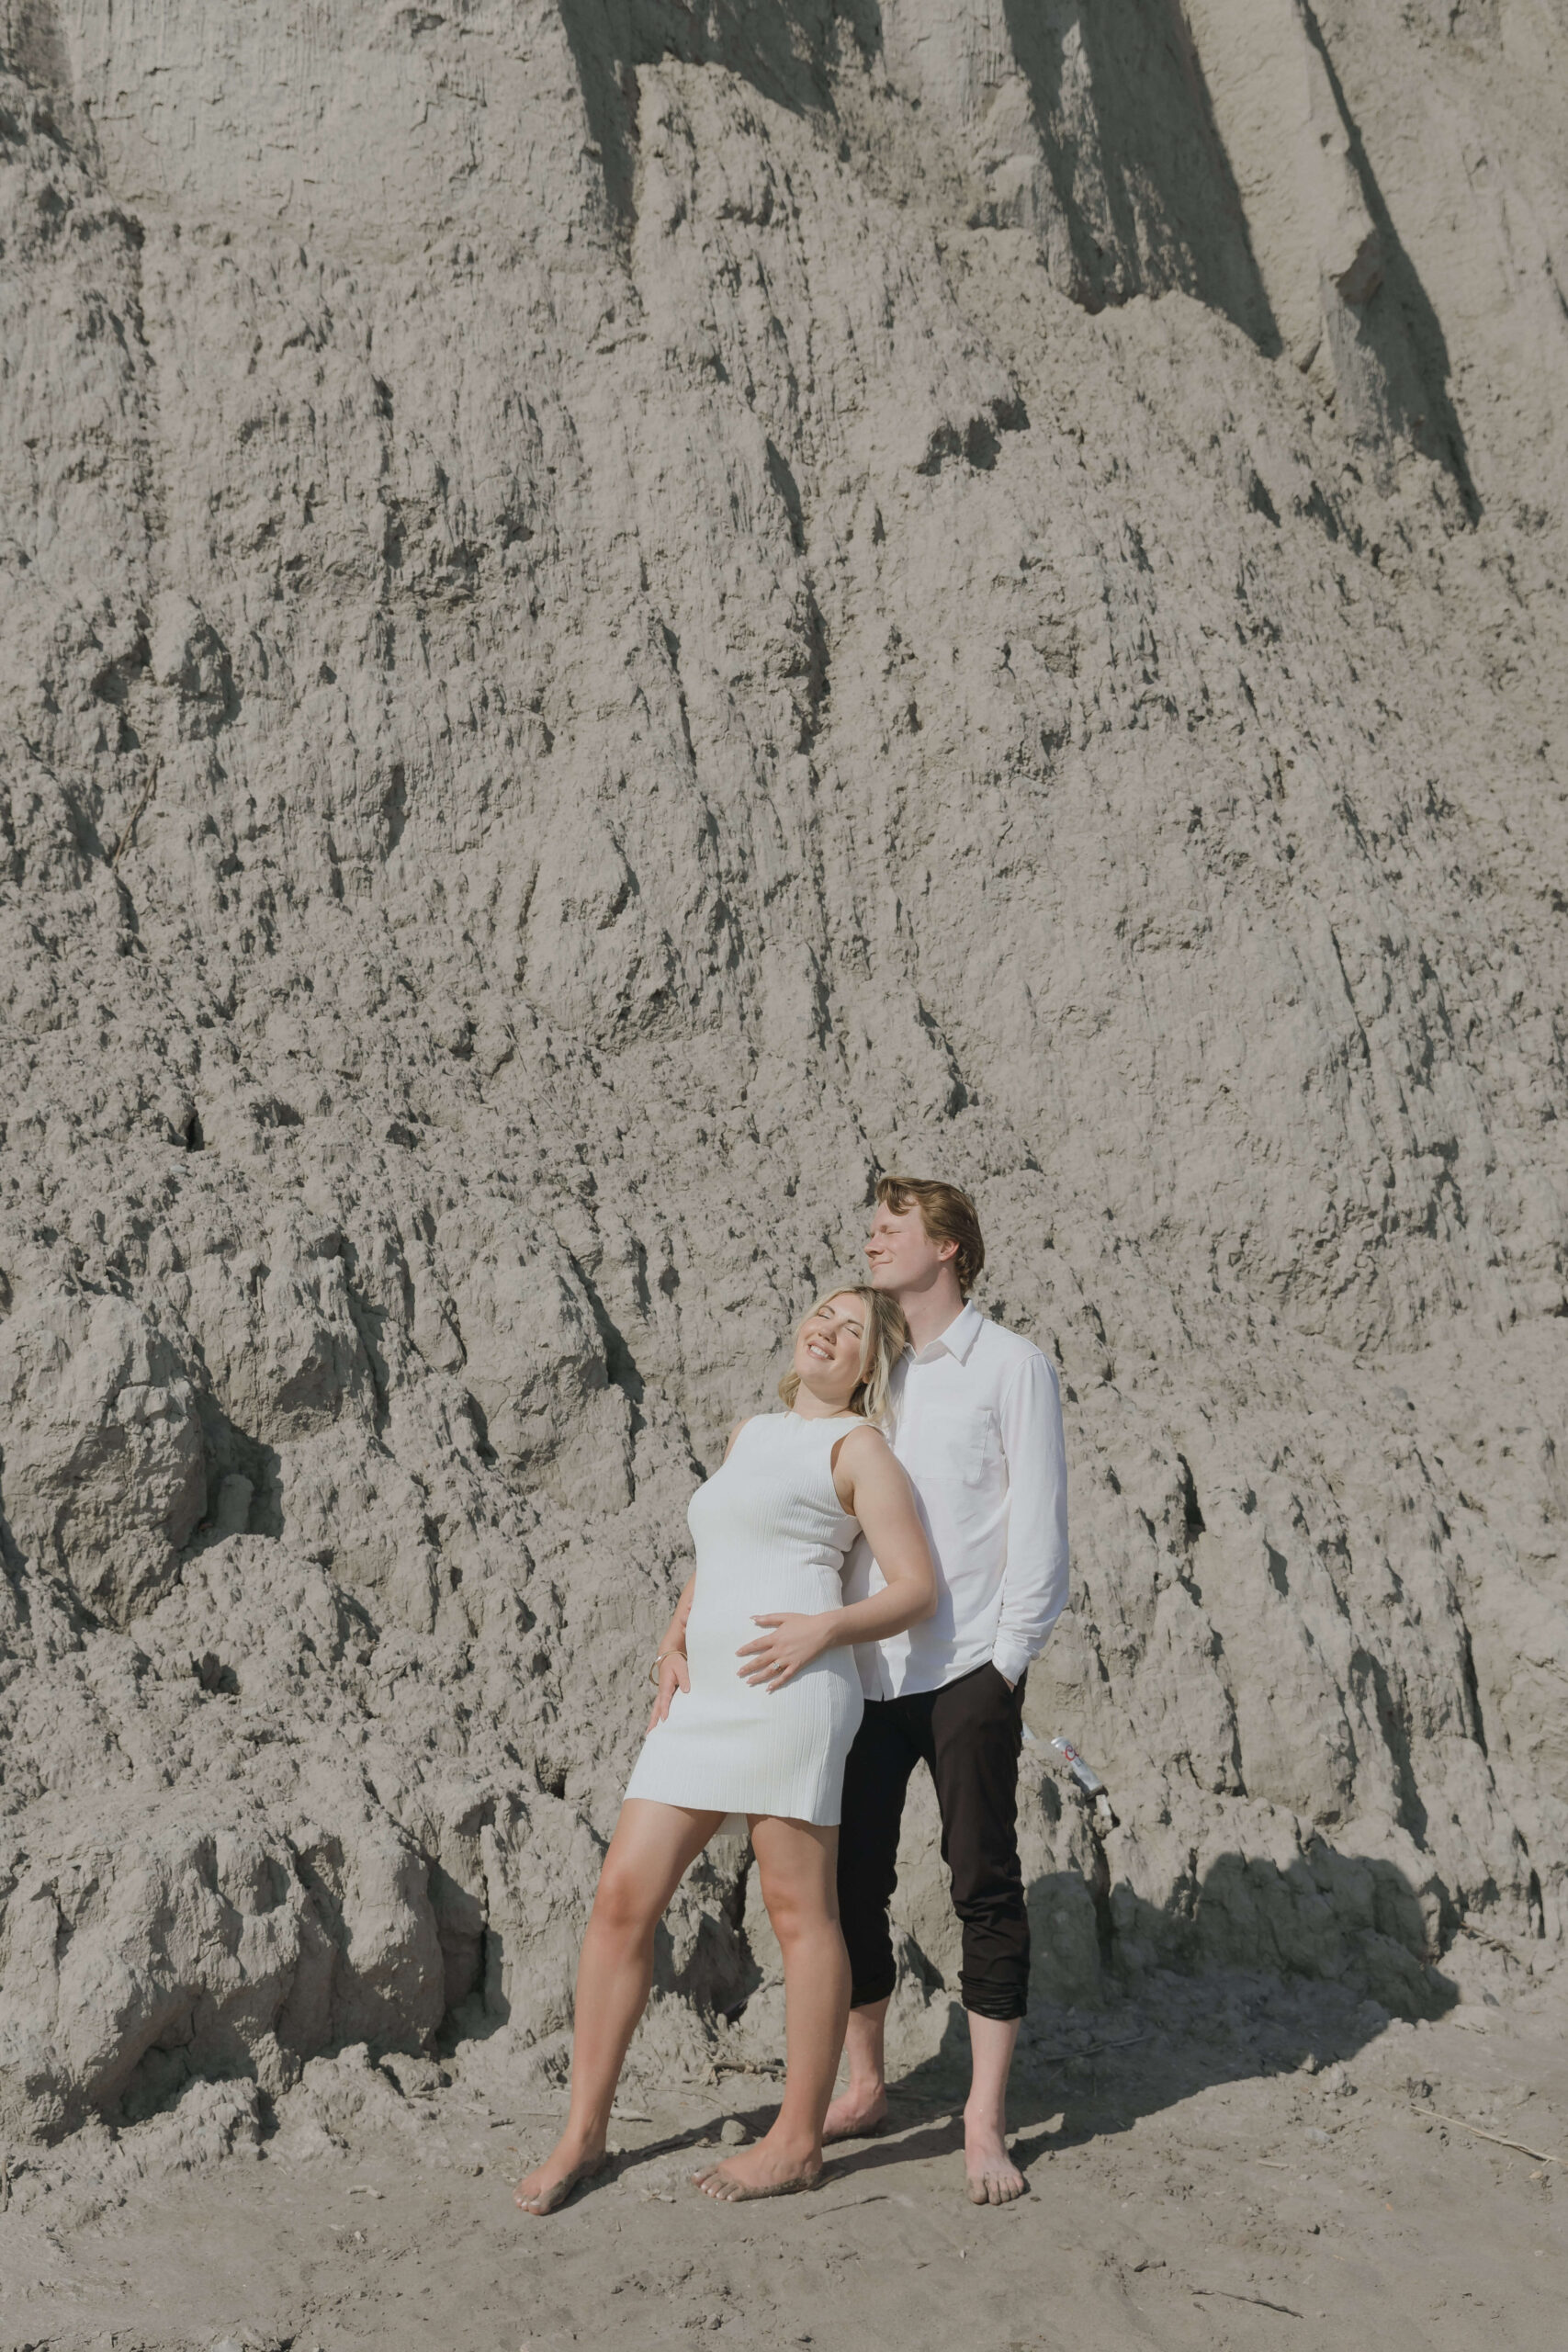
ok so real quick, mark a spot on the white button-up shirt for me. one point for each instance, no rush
(977, 1424)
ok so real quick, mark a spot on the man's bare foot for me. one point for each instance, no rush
(761, 2171)
(548, 2186)
(991, 2175)
(856, 2115)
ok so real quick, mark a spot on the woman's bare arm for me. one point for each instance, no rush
(874, 1488)
(673, 1672)
(872, 1485)
(674, 1635)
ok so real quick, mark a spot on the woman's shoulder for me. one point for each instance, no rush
(861, 1440)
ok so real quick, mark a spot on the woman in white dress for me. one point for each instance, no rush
(758, 1701)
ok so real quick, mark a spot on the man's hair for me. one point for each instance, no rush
(946, 1213)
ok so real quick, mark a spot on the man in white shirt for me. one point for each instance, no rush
(979, 1428)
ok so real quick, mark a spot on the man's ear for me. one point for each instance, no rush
(945, 1250)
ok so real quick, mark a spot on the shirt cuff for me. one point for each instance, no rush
(1010, 1660)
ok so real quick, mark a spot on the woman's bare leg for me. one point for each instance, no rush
(796, 1861)
(653, 1846)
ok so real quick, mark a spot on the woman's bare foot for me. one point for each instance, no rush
(765, 2170)
(991, 2175)
(856, 2115)
(548, 2186)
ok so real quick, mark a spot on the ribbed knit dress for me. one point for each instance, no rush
(771, 1533)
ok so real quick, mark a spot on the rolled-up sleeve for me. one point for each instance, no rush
(1035, 1582)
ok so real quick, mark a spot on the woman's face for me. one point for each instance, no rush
(828, 1349)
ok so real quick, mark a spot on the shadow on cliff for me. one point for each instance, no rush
(1173, 215)
(1401, 329)
(34, 48)
(1135, 2007)
(784, 48)
(1139, 175)
(32, 45)
(1258, 1972)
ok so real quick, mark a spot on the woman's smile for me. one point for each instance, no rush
(830, 1348)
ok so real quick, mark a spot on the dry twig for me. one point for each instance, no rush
(1229, 2295)
(1540, 2156)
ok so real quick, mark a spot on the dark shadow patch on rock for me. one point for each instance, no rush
(1174, 217)
(1391, 315)
(783, 49)
(244, 1478)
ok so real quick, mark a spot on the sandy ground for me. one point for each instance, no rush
(1224, 2164)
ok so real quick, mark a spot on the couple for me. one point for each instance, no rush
(920, 1465)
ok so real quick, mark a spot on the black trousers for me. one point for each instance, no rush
(969, 1734)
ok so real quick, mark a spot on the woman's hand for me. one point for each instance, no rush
(673, 1675)
(791, 1642)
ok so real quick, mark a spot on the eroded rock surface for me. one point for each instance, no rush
(613, 617)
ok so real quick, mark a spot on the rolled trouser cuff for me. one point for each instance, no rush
(879, 1987)
(1005, 2002)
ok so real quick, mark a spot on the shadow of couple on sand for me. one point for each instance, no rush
(1083, 2075)
(1331, 1949)
(1087, 2075)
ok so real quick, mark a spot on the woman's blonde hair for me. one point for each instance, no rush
(885, 1337)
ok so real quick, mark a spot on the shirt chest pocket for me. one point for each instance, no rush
(960, 1450)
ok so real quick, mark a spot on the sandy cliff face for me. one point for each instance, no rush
(617, 615)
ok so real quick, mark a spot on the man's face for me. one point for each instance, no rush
(904, 1259)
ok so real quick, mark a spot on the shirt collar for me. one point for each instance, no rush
(958, 1339)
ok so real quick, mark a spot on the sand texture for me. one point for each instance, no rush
(1225, 2167)
(614, 615)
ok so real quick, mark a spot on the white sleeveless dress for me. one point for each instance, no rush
(771, 1533)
